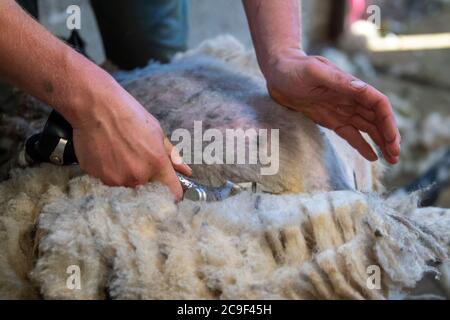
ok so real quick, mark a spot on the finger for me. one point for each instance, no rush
(379, 104)
(348, 105)
(373, 100)
(385, 119)
(394, 148)
(345, 110)
(355, 139)
(176, 159)
(363, 125)
(367, 114)
(365, 95)
(168, 178)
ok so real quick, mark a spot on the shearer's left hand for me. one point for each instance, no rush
(336, 100)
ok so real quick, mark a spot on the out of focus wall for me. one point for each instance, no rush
(207, 19)
(52, 14)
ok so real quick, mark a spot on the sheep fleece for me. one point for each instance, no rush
(137, 243)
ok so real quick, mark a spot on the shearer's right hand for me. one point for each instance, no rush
(115, 138)
(120, 143)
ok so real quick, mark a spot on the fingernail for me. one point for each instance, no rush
(394, 160)
(373, 157)
(175, 157)
(358, 84)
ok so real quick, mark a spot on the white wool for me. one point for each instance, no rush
(140, 244)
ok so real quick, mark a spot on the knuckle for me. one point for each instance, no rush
(379, 101)
(340, 78)
(156, 131)
(157, 163)
(107, 177)
(311, 69)
(114, 180)
(136, 178)
(383, 100)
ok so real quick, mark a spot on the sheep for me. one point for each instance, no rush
(203, 84)
(322, 234)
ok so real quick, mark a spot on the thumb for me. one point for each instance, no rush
(168, 177)
(176, 159)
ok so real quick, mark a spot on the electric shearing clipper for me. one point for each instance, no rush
(55, 145)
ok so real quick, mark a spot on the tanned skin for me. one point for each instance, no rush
(115, 138)
(119, 142)
(315, 86)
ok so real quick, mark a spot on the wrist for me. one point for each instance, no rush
(280, 61)
(86, 84)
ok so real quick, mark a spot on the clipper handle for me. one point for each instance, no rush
(54, 144)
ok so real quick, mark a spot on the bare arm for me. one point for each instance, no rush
(115, 138)
(275, 28)
(315, 86)
(34, 60)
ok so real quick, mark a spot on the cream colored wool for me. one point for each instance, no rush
(139, 244)
(21, 200)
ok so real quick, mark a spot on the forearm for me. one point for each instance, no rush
(43, 66)
(275, 26)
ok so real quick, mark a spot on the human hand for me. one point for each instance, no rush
(120, 143)
(336, 100)
(115, 138)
